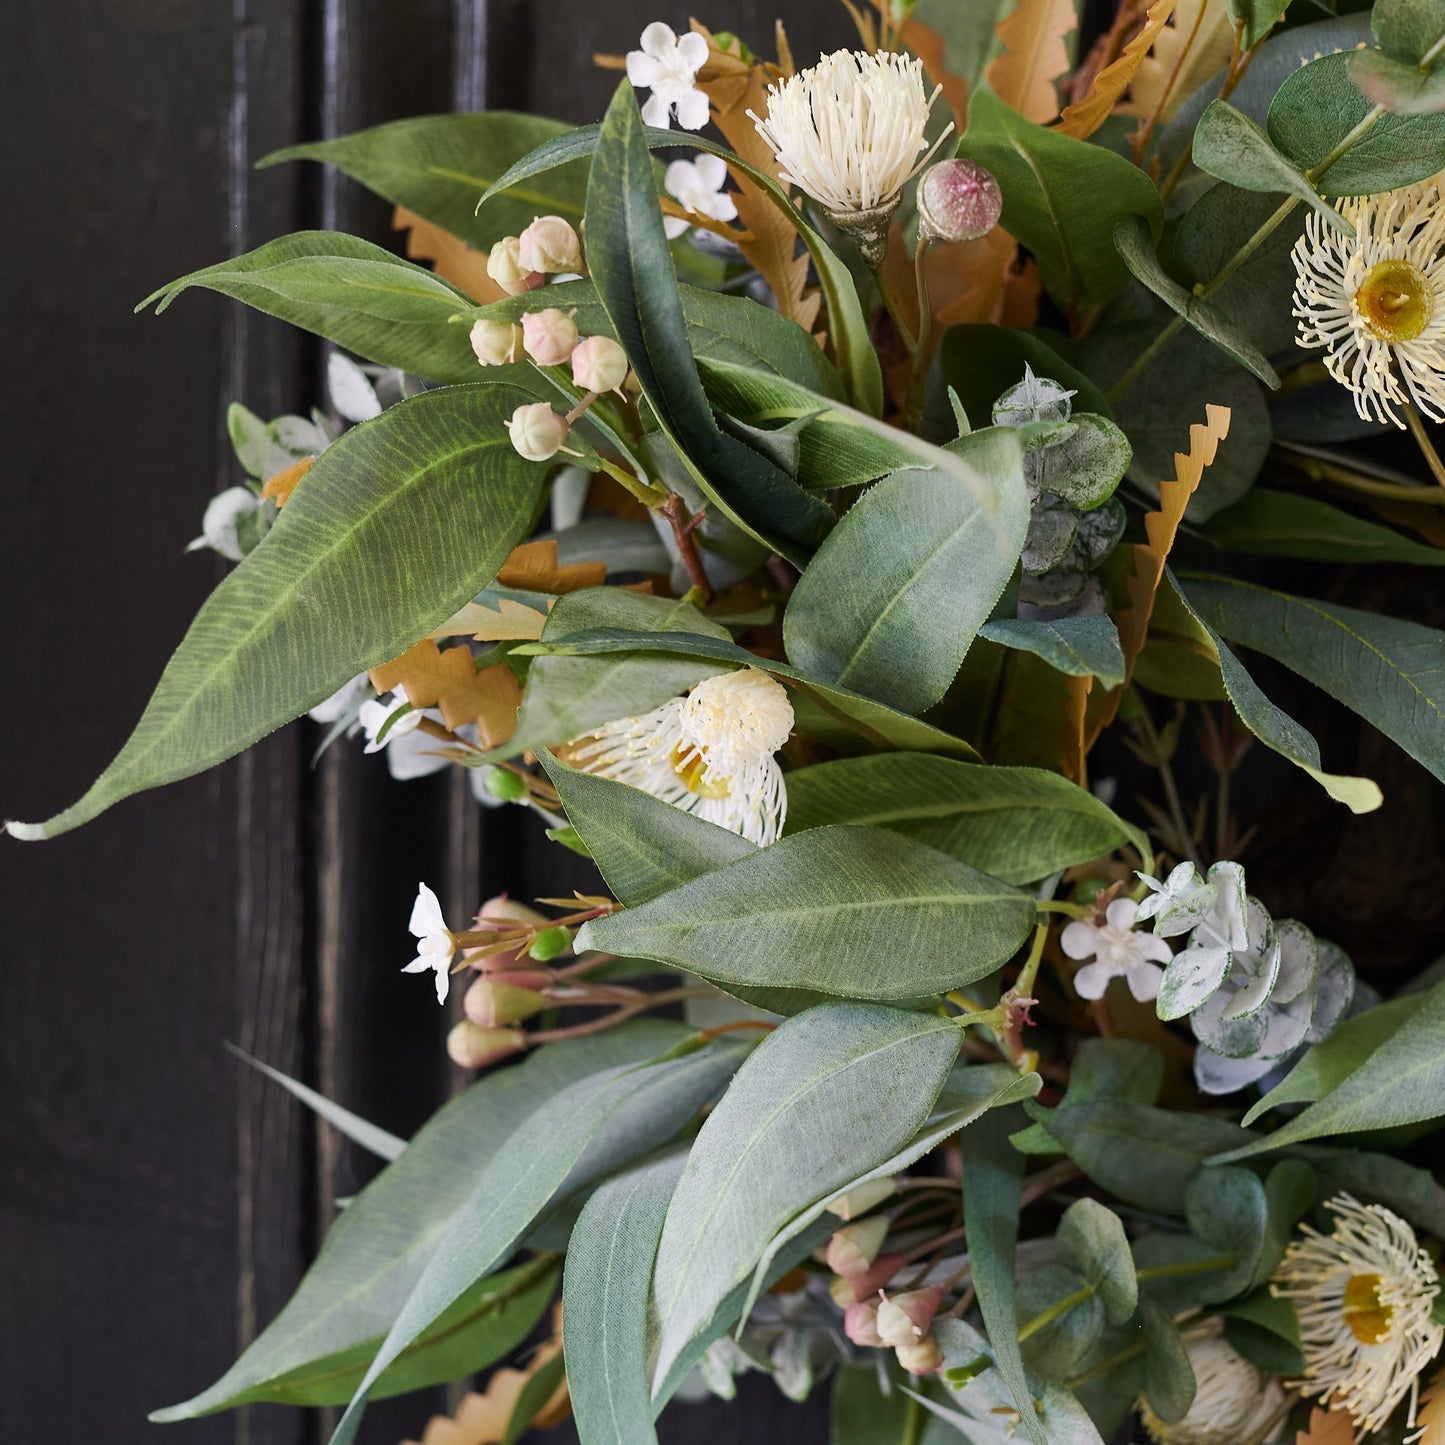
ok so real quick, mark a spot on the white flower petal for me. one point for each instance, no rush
(1092, 981)
(642, 70)
(426, 913)
(692, 51)
(660, 40)
(1120, 913)
(1079, 939)
(711, 171)
(674, 226)
(679, 178)
(692, 110)
(1144, 980)
(657, 112)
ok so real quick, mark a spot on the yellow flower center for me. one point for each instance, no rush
(1395, 300)
(1367, 1316)
(691, 767)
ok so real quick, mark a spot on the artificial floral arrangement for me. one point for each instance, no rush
(797, 527)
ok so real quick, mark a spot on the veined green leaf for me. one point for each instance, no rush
(831, 1092)
(382, 1241)
(1409, 30)
(830, 909)
(1389, 671)
(394, 528)
(439, 165)
(1018, 824)
(353, 293)
(847, 325)
(1290, 524)
(893, 599)
(1076, 646)
(1061, 198)
(1398, 86)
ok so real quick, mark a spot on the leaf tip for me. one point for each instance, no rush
(27, 832)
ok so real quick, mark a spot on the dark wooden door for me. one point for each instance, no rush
(157, 1201)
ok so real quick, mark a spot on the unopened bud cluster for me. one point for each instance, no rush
(862, 1270)
(548, 336)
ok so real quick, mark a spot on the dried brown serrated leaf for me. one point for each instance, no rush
(1085, 116)
(533, 567)
(1430, 1417)
(452, 259)
(279, 488)
(1036, 56)
(1195, 45)
(928, 46)
(451, 681)
(1327, 1427)
(510, 621)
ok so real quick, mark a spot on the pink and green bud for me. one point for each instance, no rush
(549, 244)
(474, 1047)
(863, 1198)
(550, 336)
(533, 978)
(491, 1004)
(860, 1324)
(495, 344)
(852, 1250)
(957, 201)
(549, 943)
(599, 364)
(922, 1357)
(904, 1319)
(537, 432)
(852, 1289)
(505, 268)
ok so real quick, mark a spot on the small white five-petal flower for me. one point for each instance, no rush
(1119, 950)
(697, 185)
(375, 716)
(434, 942)
(667, 65)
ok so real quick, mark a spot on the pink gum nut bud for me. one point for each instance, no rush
(504, 267)
(474, 1047)
(549, 336)
(863, 1198)
(537, 432)
(599, 364)
(535, 978)
(906, 1318)
(496, 342)
(852, 1289)
(549, 244)
(860, 1324)
(852, 1250)
(957, 201)
(922, 1357)
(490, 1004)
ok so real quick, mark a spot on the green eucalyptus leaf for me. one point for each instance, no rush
(853, 347)
(395, 527)
(1076, 646)
(1136, 246)
(605, 1303)
(834, 1090)
(1228, 144)
(1227, 1209)
(1092, 1242)
(1054, 1351)
(1123, 1069)
(891, 602)
(353, 293)
(1061, 197)
(1400, 87)
(631, 267)
(1319, 107)
(1291, 524)
(540, 1386)
(1169, 1385)
(861, 1414)
(1259, 17)
(820, 909)
(1265, 1330)
(1018, 824)
(1290, 1188)
(1409, 30)
(1389, 671)
(439, 165)
(380, 1244)
(729, 329)
(1411, 1192)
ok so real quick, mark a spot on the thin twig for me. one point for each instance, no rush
(683, 526)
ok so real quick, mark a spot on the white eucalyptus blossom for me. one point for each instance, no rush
(435, 945)
(1233, 1400)
(850, 132)
(697, 186)
(1365, 1297)
(1375, 301)
(710, 753)
(667, 65)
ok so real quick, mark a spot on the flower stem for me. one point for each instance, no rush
(913, 408)
(1024, 986)
(674, 509)
(894, 314)
(1422, 440)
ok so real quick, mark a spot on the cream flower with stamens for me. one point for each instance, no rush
(434, 942)
(709, 753)
(1376, 301)
(697, 185)
(1364, 1296)
(849, 132)
(667, 66)
(1233, 1400)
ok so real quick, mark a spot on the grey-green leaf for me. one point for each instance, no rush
(891, 602)
(831, 1092)
(1292, 524)
(1092, 1242)
(1076, 646)
(395, 527)
(351, 292)
(1018, 824)
(831, 909)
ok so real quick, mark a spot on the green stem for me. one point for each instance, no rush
(1422, 440)
(894, 314)
(913, 1425)
(1194, 1266)
(913, 407)
(1024, 987)
(1055, 1311)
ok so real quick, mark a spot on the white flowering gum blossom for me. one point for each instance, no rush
(496, 343)
(549, 245)
(599, 364)
(958, 200)
(504, 266)
(550, 336)
(537, 432)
